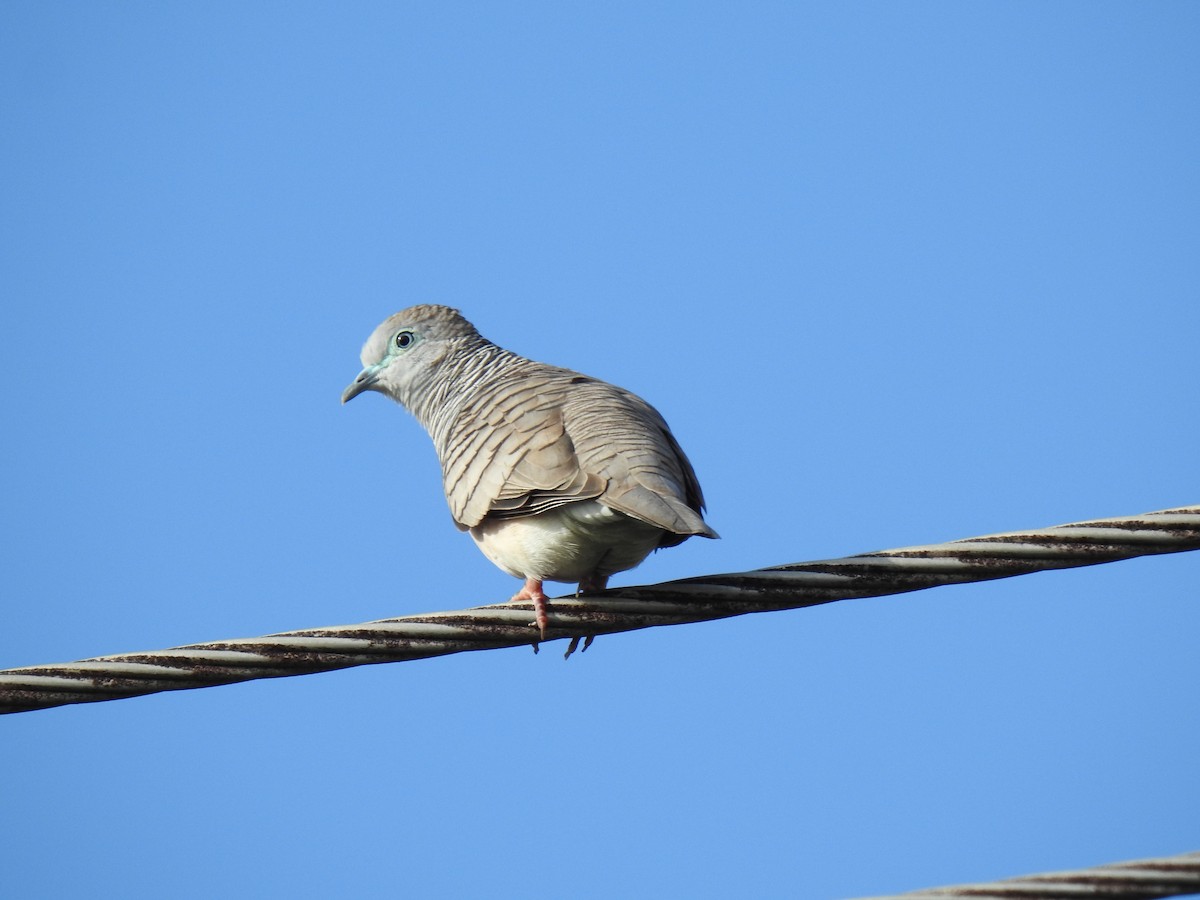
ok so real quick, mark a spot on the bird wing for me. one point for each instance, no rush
(509, 453)
(624, 440)
(547, 436)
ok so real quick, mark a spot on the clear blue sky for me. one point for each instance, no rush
(895, 274)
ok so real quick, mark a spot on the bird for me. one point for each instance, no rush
(556, 475)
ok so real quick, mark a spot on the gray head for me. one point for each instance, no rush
(403, 351)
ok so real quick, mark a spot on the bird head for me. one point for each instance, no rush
(402, 354)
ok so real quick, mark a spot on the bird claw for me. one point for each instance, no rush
(587, 642)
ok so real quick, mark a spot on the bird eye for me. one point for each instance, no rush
(405, 339)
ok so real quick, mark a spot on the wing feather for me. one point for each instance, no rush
(539, 437)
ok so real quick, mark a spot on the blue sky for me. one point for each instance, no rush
(894, 273)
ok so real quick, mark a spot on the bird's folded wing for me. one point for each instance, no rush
(624, 440)
(516, 459)
(554, 437)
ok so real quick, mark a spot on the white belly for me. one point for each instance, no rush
(569, 543)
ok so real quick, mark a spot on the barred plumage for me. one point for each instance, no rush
(558, 476)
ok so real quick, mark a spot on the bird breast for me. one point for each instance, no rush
(571, 543)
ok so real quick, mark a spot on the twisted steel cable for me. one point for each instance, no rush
(1142, 879)
(622, 609)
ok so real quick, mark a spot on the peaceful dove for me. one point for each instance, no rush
(556, 475)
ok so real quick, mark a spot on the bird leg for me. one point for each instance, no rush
(532, 590)
(592, 583)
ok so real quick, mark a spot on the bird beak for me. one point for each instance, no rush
(364, 382)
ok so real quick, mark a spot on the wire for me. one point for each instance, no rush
(1164, 876)
(701, 599)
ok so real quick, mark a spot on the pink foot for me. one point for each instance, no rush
(532, 590)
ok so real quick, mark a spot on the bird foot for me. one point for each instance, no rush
(587, 586)
(532, 590)
(592, 585)
(587, 642)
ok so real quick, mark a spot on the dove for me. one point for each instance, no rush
(557, 476)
